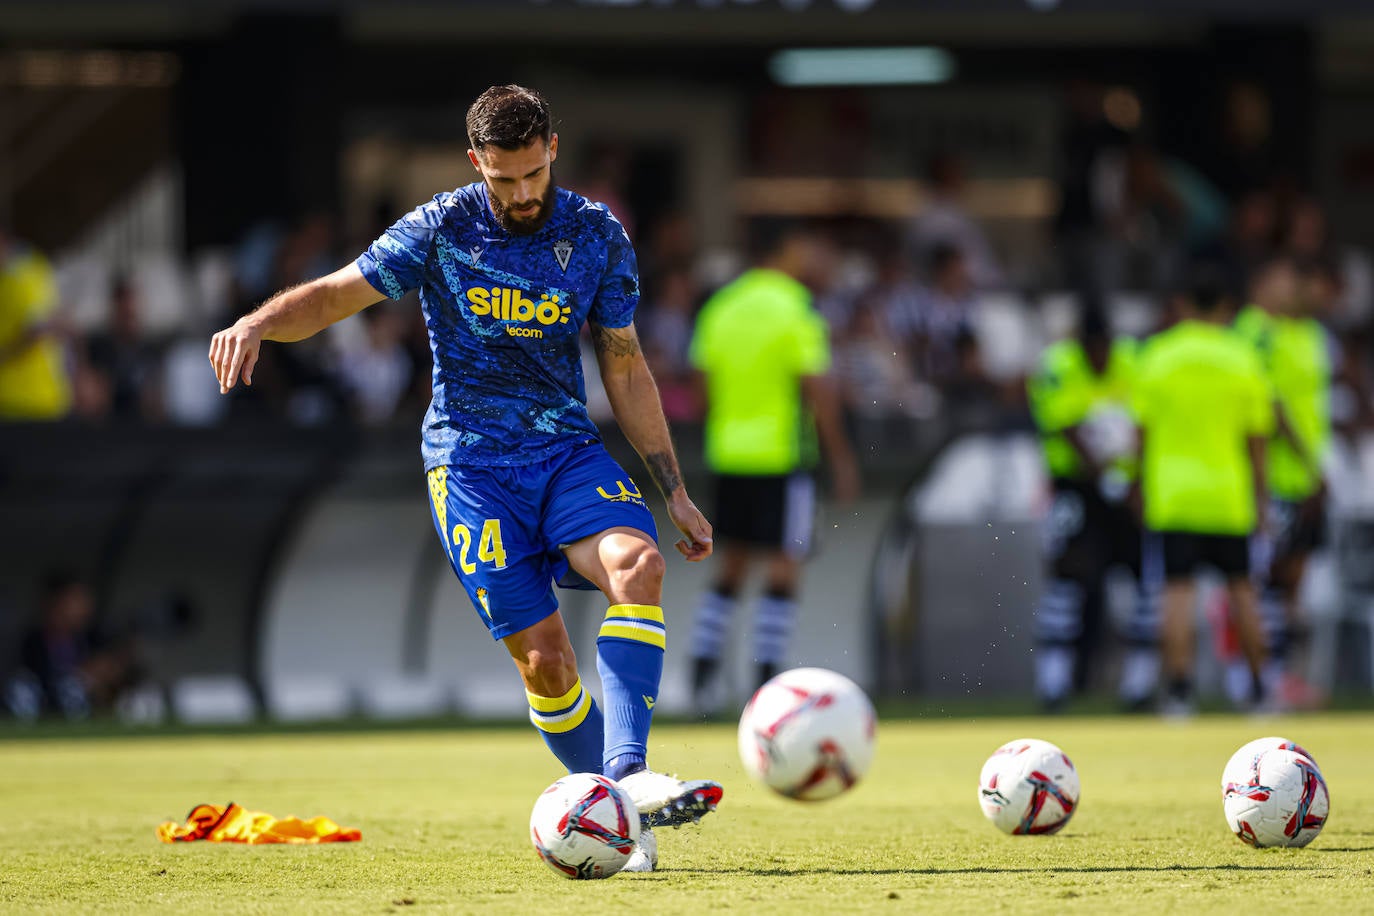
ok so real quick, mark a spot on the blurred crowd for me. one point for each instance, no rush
(913, 306)
(927, 319)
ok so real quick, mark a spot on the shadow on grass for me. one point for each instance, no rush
(985, 870)
(1342, 849)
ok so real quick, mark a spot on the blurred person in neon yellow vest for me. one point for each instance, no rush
(1079, 398)
(33, 379)
(1296, 352)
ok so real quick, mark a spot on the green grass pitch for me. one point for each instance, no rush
(444, 816)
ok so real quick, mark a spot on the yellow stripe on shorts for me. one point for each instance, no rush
(438, 495)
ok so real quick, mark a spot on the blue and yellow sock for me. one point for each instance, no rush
(572, 728)
(629, 656)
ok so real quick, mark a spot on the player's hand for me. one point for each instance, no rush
(1135, 500)
(234, 353)
(1311, 508)
(696, 546)
(846, 480)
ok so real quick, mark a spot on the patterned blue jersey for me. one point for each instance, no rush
(504, 312)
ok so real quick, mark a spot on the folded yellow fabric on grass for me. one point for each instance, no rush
(234, 824)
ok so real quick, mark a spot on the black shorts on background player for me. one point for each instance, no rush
(1185, 553)
(1088, 534)
(775, 511)
(1299, 529)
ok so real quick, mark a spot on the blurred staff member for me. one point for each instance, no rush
(67, 665)
(1079, 398)
(1294, 349)
(764, 353)
(33, 380)
(1205, 410)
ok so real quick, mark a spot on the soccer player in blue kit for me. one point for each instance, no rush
(522, 491)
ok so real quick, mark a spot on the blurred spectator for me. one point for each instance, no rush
(765, 353)
(1079, 399)
(1090, 148)
(944, 222)
(969, 384)
(666, 330)
(944, 314)
(126, 366)
(307, 252)
(1307, 240)
(1245, 156)
(897, 298)
(1296, 354)
(376, 370)
(255, 261)
(876, 356)
(602, 180)
(33, 378)
(876, 371)
(308, 392)
(1203, 405)
(68, 666)
(1158, 210)
(671, 245)
(190, 395)
(1252, 237)
(1352, 395)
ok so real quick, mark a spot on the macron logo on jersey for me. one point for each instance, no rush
(517, 310)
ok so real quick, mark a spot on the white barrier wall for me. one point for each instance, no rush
(338, 610)
(354, 578)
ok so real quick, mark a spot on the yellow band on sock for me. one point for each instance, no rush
(555, 704)
(556, 725)
(650, 612)
(654, 636)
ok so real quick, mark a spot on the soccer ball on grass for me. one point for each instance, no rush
(1028, 786)
(584, 826)
(1274, 794)
(808, 734)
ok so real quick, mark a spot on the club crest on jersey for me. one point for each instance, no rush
(562, 250)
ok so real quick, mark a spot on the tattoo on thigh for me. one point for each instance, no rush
(664, 470)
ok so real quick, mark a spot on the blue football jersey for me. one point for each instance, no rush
(504, 312)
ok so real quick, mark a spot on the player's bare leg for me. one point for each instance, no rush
(624, 563)
(1290, 637)
(566, 716)
(1176, 645)
(1249, 630)
(544, 656)
(775, 615)
(711, 625)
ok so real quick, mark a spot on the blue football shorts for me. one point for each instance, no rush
(504, 528)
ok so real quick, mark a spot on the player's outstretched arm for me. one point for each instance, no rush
(634, 399)
(290, 315)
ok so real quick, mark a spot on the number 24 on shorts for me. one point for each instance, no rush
(489, 547)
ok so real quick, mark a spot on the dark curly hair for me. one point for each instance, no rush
(509, 117)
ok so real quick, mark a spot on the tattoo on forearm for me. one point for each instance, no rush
(663, 467)
(608, 341)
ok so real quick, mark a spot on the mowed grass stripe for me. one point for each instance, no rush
(444, 818)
